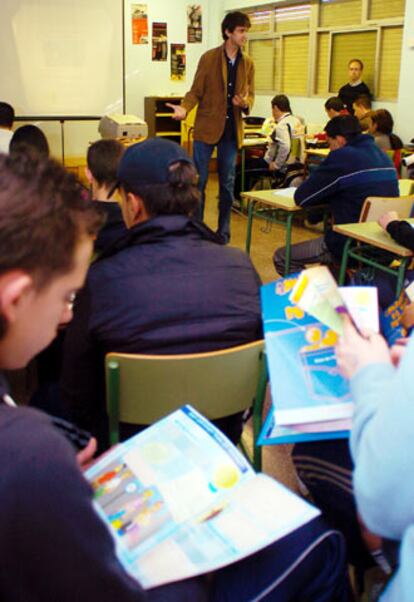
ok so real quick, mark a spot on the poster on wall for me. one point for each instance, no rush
(178, 62)
(159, 42)
(194, 26)
(139, 22)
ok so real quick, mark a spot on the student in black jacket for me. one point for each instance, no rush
(169, 286)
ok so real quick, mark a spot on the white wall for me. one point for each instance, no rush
(150, 78)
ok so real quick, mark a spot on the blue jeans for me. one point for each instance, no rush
(226, 163)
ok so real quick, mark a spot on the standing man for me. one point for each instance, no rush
(355, 86)
(223, 88)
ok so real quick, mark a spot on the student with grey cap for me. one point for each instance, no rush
(171, 286)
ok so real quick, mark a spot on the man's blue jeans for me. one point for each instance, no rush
(226, 163)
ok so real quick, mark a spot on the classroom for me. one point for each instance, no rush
(206, 300)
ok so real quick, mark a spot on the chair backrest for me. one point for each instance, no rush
(374, 207)
(405, 187)
(143, 388)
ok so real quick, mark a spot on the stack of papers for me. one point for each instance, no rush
(302, 322)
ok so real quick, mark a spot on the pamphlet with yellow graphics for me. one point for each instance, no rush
(180, 500)
(305, 381)
(317, 292)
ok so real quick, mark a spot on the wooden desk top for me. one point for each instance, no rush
(279, 198)
(318, 152)
(257, 141)
(372, 234)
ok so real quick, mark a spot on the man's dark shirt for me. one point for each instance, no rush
(350, 93)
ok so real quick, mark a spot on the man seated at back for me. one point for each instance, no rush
(103, 158)
(168, 287)
(6, 124)
(354, 170)
(278, 153)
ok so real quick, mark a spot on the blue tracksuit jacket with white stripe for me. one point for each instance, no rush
(344, 180)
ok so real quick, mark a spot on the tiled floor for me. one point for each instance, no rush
(265, 239)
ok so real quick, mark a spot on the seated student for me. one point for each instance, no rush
(354, 169)
(381, 125)
(29, 138)
(400, 230)
(335, 107)
(168, 287)
(53, 545)
(362, 107)
(381, 445)
(278, 153)
(103, 158)
(355, 86)
(6, 124)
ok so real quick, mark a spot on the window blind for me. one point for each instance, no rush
(340, 12)
(295, 64)
(386, 9)
(389, 71)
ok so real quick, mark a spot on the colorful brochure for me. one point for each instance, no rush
(306, 384)
(317, 292)
(180, 500)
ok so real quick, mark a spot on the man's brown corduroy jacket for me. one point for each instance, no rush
(209, 91)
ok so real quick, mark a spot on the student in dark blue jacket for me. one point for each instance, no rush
(354, 170)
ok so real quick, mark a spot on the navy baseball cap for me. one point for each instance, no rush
(149, 162)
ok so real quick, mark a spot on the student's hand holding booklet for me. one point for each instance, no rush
(356, 350)
(317, 293)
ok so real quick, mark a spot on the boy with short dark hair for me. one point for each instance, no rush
(103, 159)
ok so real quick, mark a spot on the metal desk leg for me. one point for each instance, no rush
(289, 220)
(400, 275)
(344, 262)
(242, 175)
(243, 165)
(250, 215)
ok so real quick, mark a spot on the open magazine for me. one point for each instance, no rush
(180, 500)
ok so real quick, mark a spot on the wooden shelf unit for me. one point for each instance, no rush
(159, 117)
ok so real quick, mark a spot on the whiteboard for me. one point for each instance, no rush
(61, 57)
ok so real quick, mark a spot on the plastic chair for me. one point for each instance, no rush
(406, 187)
(141, 389)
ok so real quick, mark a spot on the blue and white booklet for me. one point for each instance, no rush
(180, 500)
(310, 396)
